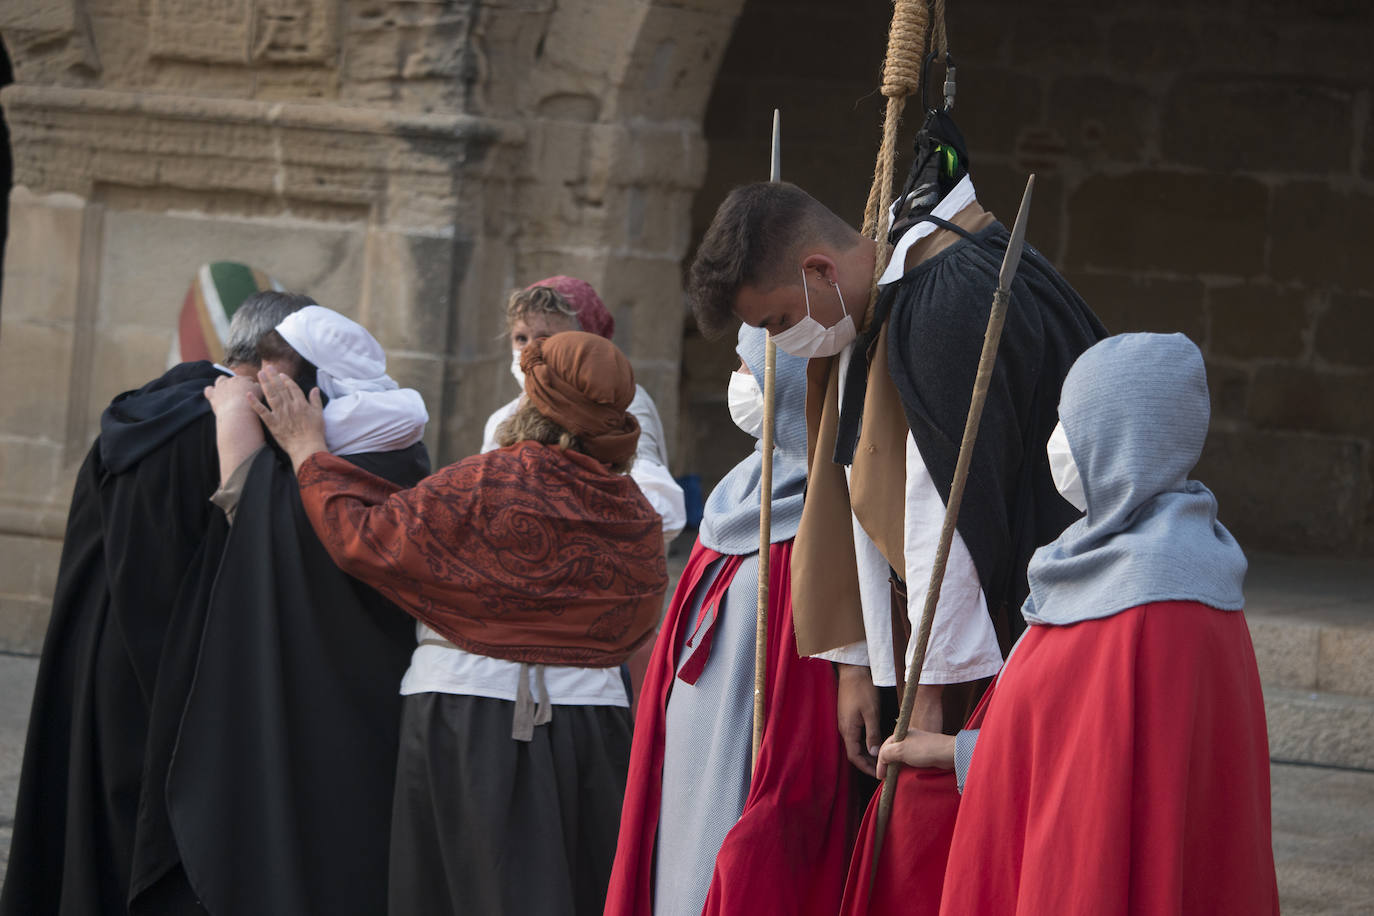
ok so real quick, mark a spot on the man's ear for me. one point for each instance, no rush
(819, 264)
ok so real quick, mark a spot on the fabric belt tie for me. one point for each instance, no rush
(528, 712)
(705, 633)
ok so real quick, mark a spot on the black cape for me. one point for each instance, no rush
(938, 314)
(137, 528)
(279, 791)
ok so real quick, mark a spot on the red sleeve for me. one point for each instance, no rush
(371, 527)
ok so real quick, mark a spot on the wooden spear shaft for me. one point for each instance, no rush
(991, 339)
(770, 365)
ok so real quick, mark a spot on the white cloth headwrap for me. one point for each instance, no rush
(367, 411)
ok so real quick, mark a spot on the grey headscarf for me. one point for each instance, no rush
(1135, 411)
(730, 522)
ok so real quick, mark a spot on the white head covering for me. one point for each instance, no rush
(367, 411)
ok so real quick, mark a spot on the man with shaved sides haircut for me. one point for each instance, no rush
(890, 381)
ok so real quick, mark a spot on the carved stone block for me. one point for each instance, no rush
(244, 31)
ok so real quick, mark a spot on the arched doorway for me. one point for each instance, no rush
(819, 63)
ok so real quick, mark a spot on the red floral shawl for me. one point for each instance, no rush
(530, 553)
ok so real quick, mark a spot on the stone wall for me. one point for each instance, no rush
(406, 161)
(1201, 168)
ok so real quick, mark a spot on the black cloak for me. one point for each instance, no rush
(137, 527)
(279, 791)
(241, 654)
(939, 313)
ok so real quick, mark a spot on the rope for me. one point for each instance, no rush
(906, 48)
(941, 37)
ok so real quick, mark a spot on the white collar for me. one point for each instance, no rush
(957, 199)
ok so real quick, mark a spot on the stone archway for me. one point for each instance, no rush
(610, 96)
(406, 166)
(818, 62)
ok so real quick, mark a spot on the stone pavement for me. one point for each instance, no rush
(1323, 817)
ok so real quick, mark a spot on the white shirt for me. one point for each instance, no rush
(436, 668)
(963, 645)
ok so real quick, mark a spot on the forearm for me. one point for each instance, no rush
(918, 749)
(231, 487)
(300, 452)
(238, 435)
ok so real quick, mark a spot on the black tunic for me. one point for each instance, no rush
(137, 527)
(939, 320)
(938, 314)
(230, 681)
(281, 785)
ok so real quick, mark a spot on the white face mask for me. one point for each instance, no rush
(746, 403)
(1063, 469)
(515, 368)
(809, 338)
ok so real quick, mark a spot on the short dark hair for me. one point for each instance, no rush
(254, 319)
(749, 242)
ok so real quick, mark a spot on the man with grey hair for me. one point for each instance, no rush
(252, 337)
(141, 532)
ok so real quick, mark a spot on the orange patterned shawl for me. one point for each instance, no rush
(530, 553)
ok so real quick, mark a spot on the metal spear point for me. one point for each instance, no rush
(1012, 259)
(770, 364)
(996, 319)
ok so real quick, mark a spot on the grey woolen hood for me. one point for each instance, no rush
(1135, 411)
(730, 523)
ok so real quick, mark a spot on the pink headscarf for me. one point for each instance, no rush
(592, 313)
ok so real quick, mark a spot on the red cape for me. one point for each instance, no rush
(912, 871)
(911, 874)
(788, 852)
(1122, 767)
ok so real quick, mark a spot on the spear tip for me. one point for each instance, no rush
(775, 173)
(1018, 239)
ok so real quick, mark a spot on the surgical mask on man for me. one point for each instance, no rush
(809, 338)
(746, 403)
(515, 368)
(1064, 470)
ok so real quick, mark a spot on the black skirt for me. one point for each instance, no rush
(487, 825)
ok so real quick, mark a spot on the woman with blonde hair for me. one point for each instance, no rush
(565, 303)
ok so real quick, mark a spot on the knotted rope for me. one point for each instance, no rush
(906, 49)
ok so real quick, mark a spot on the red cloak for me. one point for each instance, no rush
(1122, 767)
(911, 875)
(787, 854)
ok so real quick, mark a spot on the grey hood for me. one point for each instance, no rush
(730, 522)
(1135, 410)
